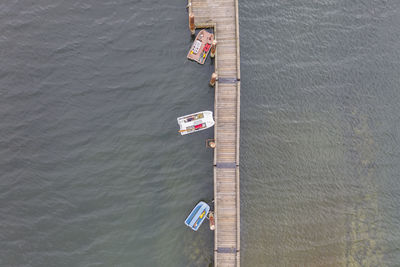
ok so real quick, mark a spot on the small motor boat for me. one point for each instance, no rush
(201, 47)
(195, 122)
(197, 216)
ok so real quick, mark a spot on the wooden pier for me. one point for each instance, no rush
(222, 16)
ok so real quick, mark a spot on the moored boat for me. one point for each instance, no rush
(197, 216)
(201, 47)
(195, 122)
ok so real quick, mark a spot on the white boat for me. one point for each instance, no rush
(195, 122)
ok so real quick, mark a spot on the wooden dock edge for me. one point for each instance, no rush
(189, 7)
(238, 84)
(238, 216)
(237, 134)
(215, 212)
(237, 39)
(215, 117)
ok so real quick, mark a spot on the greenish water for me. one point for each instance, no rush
(320, 133)
(94, 173)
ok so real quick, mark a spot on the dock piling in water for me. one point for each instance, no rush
(192, 27)
(213, 79)
(213, 48)
(211, 143)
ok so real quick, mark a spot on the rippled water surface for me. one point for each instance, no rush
(320, 133)
(94, 173)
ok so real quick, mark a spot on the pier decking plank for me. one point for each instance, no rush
(222, 15)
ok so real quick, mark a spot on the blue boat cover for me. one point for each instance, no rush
(197, 216)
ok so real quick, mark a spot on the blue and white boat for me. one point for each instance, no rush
(197, 216)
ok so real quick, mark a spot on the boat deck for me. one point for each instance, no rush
(202, 43)
(222, 15)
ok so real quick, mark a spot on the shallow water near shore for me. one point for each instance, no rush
(94, 173)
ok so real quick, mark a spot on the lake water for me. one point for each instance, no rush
(94, 173)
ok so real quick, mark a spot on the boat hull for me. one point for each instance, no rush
(195, 122)
(201, 47)
(197, 216)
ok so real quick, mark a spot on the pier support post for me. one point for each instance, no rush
(210, 143)
(214, 77)
(191, 24)
(213, 48)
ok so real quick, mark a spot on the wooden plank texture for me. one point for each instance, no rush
(222, 16)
